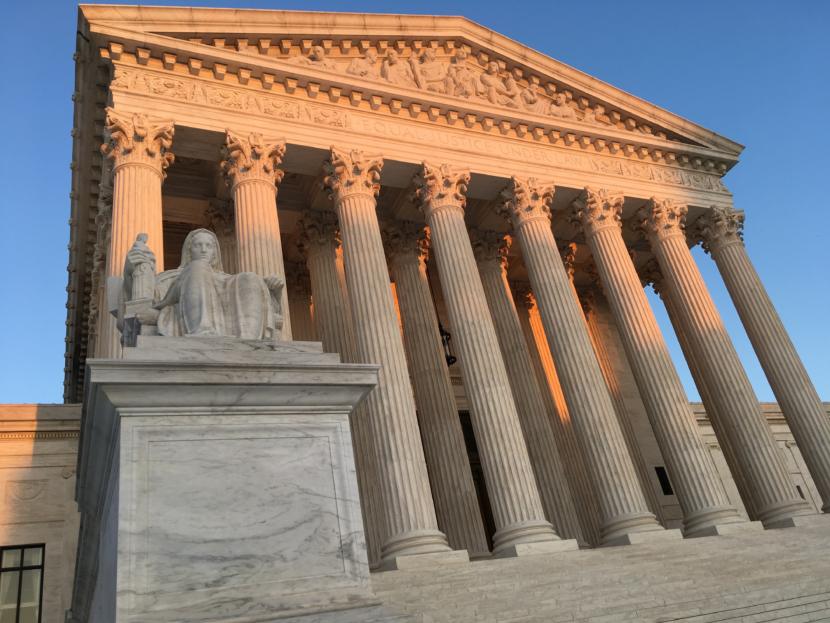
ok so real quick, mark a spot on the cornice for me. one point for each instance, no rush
(305, 83)
(257, 65)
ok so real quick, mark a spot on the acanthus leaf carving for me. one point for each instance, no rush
(491, 246)
(597, 208)
(526, 199)
(351, 172)
(438, 186)
(135, 138)
(719, 227)
(405, 241)
(317, 229)
(661, 218)
(252, 158)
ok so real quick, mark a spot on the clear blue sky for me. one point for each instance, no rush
(755, 71)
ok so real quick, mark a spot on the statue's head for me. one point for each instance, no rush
(202, 244)
(318, 52)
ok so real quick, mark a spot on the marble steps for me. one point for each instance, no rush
(765, 576)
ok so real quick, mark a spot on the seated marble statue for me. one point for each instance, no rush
(199, 299)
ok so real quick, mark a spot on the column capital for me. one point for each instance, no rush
(351, 172)
(405, 241)
(719, 227)
(650, 275)
(662, 218)
(490, 246)
(252, 158)
(317, 230)
(297, 278)
(523, 294)
(526, 199)
(219, 216)
(137, 139)
(597, 208)
(567, 251)
(439, 186)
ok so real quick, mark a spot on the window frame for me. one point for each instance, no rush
(20, 568)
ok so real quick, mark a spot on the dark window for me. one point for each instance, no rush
(21, 583)
(800, 492)
(663, 477)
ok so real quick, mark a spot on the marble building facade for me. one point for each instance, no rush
(430, 189)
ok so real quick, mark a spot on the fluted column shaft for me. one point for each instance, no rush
(749, 435)
(598, 337)
(711, 405)
(582, 489)
(795, 392)
(697, 485)
(621, 500)
(536, 425)
(453, 489)
(410, 524)
(511, 485)
(299, 302)
(250, 166)
(139, 149)
(320, 243)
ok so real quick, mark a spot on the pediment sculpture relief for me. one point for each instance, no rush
(462, 76)
(198, 298)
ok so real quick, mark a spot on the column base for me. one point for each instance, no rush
(701, 523)
(649, 536)
(784, 515)
(413, 543)
(615, 532)
(415, 562)
(520, 550)
(727, 529)
(800, 521)
(525, 532)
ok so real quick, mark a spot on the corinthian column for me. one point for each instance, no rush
(410, 525)
(520, 521)
(721, 230)
(219, 216)
(139, 148)
(453, 489)
(582, 489)
(588, 301)
(298, 284)
(749, 436)
(622, 505)
(319, 243)
(250, 167)
(651, 274)
(491, 254)
(698, 487)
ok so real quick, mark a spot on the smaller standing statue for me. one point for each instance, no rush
(198, 298)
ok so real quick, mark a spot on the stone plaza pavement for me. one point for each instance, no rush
(771, 575)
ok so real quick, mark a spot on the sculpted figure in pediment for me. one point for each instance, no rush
(365, 66)
(530, 99)
(198, 298)
(596, 115)
(561, 107)
(396, 71)
(461, 80)
(495, 89)
(430, 73)
(316, 58)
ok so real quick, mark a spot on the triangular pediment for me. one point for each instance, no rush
(446, 65)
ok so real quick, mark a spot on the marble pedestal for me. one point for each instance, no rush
(216, 483)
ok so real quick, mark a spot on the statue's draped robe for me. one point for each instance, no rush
(212, 303)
